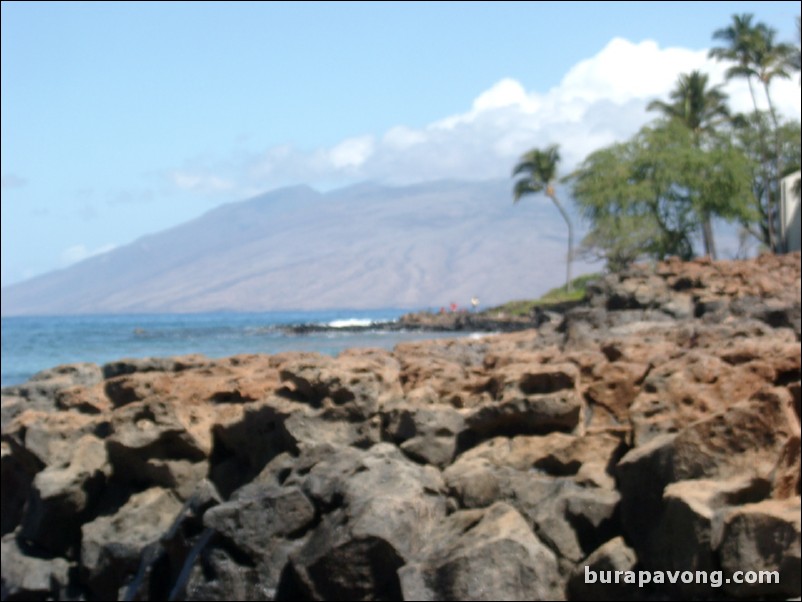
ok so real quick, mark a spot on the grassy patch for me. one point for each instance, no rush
(552, 297)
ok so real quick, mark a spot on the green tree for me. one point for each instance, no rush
(701, 109)
(753, 49)
(538, 169)
(747, 136)
(648, 196)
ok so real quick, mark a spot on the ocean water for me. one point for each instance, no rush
(32, 344)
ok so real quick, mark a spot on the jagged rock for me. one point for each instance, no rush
(244, 444)
(440, 372)
(219, 576)
(615, 386)
(764, 536)
(602, 574)
(63, 494)
(428, 434)
(111, 545)
(42, 390)
(745, 440)
(486, 554)
(25, 577)
(153, 364)
(664, 413)
(474, 482)
(688, 388)
(352, 386)
(588, 458)
(572, 520)
(642, 475)
(686, 527)
(381, 510)
(258, 513)
(529, 400)
(148, 433)
(48, 437)
(788, 474)
(313, 428)
(526, 414)
(261, 526)
(17, 472)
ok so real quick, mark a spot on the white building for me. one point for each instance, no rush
(789, 213)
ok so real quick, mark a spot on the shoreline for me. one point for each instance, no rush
(656, 425)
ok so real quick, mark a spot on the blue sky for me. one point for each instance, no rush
(120, 119)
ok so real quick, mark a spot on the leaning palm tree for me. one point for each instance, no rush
(699, 108)
(539, 170)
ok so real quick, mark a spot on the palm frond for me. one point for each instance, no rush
(524, 187)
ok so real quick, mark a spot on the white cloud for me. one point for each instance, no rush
(506, 93)
(599, 101)
(402, 138)
(200, 182)
(352, 152)
(624, 70)
(79, 252)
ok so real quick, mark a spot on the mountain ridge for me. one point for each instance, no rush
(365, 246)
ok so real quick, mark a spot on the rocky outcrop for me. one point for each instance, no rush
(655, 428)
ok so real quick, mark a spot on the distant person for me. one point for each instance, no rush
(454, 307)
(474, 302)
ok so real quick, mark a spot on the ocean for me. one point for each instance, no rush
(32, 344)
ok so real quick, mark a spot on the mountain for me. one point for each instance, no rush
(365, 246)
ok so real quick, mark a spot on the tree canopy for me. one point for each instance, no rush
(656, 194)
(649, 195)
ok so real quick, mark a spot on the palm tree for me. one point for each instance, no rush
(797, 59)
(753, 49)
(539, 169)
(699, 108)
(740, 37)
(771, 60)
(695, 105)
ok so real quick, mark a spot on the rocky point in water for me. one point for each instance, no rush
(654, 428)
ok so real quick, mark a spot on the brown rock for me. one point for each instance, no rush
(352, 386)
(762, 537)
(602, 574)
(613, 388)
(686, 528)
(747, 440)
(483, 555)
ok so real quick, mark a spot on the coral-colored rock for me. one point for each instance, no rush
(655, 426)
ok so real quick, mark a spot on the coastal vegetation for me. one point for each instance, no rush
(574, 293)
(656, 195)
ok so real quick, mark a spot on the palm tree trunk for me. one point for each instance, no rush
(707, 238)
(570, 241)
(778, 245)
(707, 227)
(764, 163)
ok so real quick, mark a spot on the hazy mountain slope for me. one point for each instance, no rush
(365, 246)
